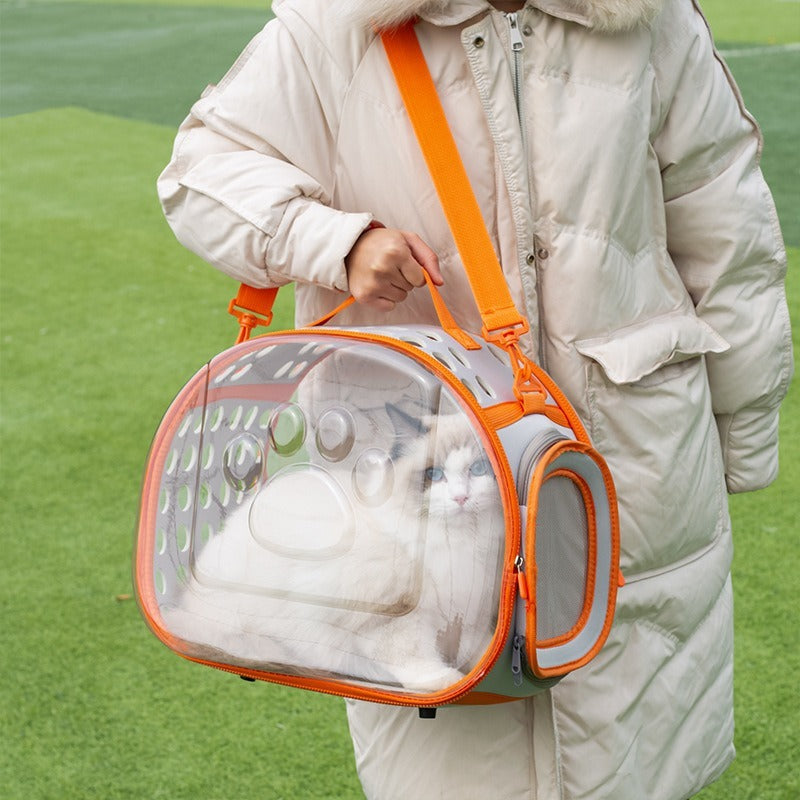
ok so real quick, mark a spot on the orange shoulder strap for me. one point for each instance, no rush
(452, 184)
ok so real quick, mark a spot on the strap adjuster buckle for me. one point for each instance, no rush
(248, 319)
(506, 336)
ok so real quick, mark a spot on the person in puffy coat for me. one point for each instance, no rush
(617, 170)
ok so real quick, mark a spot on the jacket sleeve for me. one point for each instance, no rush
(249, 186)
(724, 238)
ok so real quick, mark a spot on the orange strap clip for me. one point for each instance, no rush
(252, 307)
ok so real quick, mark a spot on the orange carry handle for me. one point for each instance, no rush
(253, 307)
(446, 319)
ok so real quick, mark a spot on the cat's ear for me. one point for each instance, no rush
(404, 424)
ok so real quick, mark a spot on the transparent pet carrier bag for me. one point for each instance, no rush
(335, 509)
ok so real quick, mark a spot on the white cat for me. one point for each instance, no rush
(403, 593)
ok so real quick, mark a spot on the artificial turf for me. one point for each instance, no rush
(103, 316)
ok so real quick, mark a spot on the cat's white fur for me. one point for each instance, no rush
(430, 554)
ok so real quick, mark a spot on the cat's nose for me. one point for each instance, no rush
(460, 499)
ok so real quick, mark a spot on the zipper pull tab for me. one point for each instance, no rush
(522, 581)
(516, 659)
(517, 43)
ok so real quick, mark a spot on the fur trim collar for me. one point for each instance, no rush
(603, 15)
(608, 15)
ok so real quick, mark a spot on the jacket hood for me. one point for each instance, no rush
(602, 15)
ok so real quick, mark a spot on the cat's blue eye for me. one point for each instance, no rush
(479, 467)
(434, 474)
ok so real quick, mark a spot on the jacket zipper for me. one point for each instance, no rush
(517, 46)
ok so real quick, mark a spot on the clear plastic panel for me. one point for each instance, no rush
(331, 512)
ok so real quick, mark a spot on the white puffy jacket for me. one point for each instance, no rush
(620, 183)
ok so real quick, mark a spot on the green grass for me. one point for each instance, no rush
(770, 86)
(155, 59)
(103, 316)
(763, 21)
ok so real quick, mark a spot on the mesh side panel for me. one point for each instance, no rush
(561, 557)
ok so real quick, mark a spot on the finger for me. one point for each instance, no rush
(370, 291)
(393, 293)
(405, 277)
(373, 298)
(381, 304)
(425, 257)
(413, 273)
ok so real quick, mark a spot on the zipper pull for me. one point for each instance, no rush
(517, 43)
(516, 659)
(522, 581)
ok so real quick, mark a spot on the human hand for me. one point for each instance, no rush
(385, 264)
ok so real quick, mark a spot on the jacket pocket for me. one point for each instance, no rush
(632, 354)
(650, 416)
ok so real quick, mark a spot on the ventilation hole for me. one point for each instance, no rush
(204, 496)
(442, 360)
(263, 420)
(208, 456)
(460, 357)
(434, 337)
(306, 347)
(485, 386)
(163, 500)
(172, 462)
(469, 387)
(181, 574)
(224, 374)
(184, 427)
(161, 582)
(184, 498)
(265, 351)
(281, 371)
(206, 531)
(161, 542)
(236, 418)
(215, 420)
(298, 369)
(415, 342)
(225, 495)
(189, 458)
(498, 354)
(240, 373)
(250, 418)
(182, 538)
